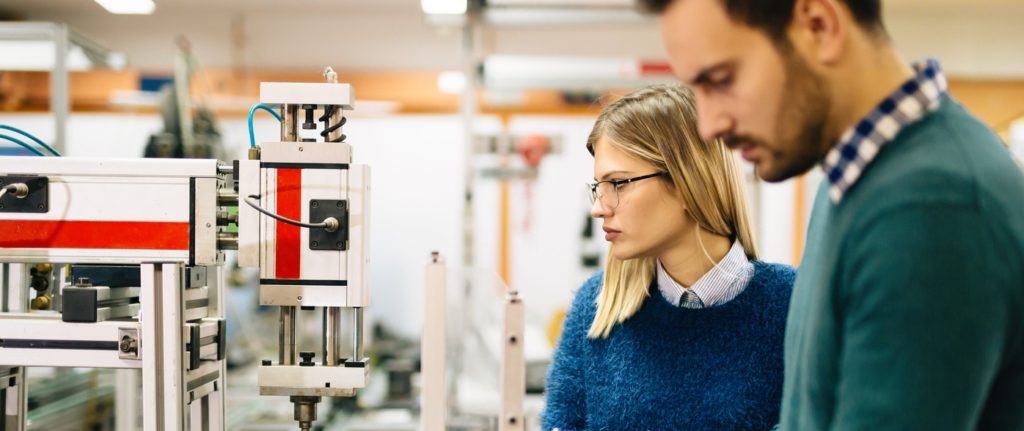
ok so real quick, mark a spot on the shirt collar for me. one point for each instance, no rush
(719, 285)
(857, 147)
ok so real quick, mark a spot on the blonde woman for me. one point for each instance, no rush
(683, 330)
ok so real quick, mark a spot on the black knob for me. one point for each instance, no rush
(307, 359)
(39, 283)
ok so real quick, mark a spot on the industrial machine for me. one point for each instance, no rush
(125, 261)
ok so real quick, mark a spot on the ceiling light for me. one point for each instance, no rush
(135, 7)
(445, 7)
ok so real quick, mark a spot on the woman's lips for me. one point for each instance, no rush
(611, 234)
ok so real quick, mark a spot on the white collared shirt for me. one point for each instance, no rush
(721, 284)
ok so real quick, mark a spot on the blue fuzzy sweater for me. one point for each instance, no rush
(672, 368)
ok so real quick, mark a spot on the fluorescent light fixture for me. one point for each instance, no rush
(441, 7)
(133, 7)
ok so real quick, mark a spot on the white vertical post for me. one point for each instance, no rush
(15, 408)
(162, 347)
(149, 343)
(126, 399)
(218, 398)
(60, 100)
(172, 347)
(513, 366)
(433, 346)
(17, 288)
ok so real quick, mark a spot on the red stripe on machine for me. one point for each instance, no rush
(289, 204)
(126, 235)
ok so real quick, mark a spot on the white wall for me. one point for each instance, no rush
(971, 39)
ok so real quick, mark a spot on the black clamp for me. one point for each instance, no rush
(307, 359)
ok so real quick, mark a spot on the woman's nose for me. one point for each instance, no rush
(598, 210)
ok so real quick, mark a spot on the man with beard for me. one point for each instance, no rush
(908, 310)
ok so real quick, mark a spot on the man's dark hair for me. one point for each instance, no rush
(773, 16)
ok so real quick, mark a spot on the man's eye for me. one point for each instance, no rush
(719, 83)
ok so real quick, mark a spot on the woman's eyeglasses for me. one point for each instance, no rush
(608, 191)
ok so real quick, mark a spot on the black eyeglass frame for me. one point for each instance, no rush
(616, 184)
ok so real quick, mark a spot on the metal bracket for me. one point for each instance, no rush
(8, 377)
(129, 345)
(320, 210)
(195, 276)
(222, 340)
(36, 201)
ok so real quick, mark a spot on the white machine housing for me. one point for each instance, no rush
(115, 211)
(159, 215)
(291, 179)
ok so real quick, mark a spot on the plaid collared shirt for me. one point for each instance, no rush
(857, 148)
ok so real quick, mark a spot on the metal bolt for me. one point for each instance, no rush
(300, 298)
(339, 244)
(300, 149)
(341, 204)
(315, 204)
(40, 206)
(128, 345)
(209, 225)
(513, 339)
(40, 303)
(315, 243)
(512, 420)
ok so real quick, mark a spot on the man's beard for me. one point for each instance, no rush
(802, 133)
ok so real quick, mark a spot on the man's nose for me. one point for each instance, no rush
(712, 121)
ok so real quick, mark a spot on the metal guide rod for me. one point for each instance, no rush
(286, 347)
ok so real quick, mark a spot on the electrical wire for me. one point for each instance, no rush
(30, 136)
(23, 144)
(331, 223)
(20, 190)
(252, 136)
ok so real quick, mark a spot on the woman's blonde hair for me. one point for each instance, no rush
(658, 124)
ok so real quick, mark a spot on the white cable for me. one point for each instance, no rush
(19, 190)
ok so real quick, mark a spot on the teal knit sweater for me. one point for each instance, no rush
(908, 311)
(673, 368)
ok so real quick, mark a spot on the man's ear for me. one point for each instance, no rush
(820, 29)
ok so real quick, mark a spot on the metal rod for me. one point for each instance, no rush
(227, 199)
(357, 333)
(336, 116)
(331, 335)
(286, 346)
(227, 241)
(289, 123)
(332, 77)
